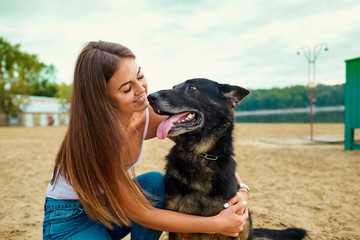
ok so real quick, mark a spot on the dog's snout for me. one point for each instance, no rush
(153, 97)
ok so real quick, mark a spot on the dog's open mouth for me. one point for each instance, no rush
(177, 124)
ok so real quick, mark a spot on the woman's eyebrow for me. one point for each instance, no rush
(123, 85)
(130, 80)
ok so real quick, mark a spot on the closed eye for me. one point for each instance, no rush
(127, 91)
(139, 78)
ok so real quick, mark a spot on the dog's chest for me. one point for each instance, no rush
(194, 204)
(190, 187)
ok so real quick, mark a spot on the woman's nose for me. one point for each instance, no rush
(139, 88)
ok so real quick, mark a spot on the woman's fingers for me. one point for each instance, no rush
(239, 197)
(234, 199)
(243, 217)
(241, 211)
(235, 221)
(237, 206)
(241, 207)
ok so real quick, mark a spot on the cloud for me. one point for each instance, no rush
(246, 43)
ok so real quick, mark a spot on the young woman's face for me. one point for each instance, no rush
(127, 88)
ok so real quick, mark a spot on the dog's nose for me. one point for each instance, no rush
(153, 97)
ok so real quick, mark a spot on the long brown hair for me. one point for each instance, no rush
(94, 154)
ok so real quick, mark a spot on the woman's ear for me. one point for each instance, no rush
(234, 94)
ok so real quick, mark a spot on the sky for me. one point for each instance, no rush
(252, 44)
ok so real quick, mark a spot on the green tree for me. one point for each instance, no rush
(21, 73)
(64, 93)
(292, 97)
(45, 86)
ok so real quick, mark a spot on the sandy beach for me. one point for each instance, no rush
(293, 181)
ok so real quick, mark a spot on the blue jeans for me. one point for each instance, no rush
(67, 219)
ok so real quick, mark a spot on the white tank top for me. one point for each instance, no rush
(63, 190)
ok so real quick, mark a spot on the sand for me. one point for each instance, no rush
(310, 185)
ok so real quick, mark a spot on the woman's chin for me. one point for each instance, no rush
(144, 105)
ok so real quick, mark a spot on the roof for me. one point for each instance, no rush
(353, 59)
(35, 104)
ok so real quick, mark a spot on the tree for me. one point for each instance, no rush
(64, 93)
(21, 73)
(292, 97)
(44, 86)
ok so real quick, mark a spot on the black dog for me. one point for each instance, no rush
(200, 171)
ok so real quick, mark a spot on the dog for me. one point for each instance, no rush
(200, 168)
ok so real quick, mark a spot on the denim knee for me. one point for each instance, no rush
(157, 179)
(67, 219)
(153, 183)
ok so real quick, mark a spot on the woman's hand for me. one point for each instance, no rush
(229, 219)
(240, 197)
(242, 194)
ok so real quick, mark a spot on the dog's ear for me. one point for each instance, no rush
(234, 94)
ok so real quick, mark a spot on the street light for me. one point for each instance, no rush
(311, 57)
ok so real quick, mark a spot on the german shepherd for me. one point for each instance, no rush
(200, 169)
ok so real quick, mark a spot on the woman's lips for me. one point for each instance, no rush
(141, 99)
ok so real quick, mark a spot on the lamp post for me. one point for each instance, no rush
(311, 56)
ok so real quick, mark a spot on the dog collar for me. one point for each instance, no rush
(210, 156)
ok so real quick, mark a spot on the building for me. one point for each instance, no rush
(352, 103)
(39, 111)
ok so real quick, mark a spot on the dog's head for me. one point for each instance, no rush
(196, 106)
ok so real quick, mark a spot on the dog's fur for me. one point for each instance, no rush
(195, 184)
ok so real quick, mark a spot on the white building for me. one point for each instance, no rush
(40, 111)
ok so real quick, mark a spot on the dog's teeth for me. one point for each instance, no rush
(158, 111)
(190, 116)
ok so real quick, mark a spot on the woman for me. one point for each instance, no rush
(91, 194)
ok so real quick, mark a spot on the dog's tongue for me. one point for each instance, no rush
(165, 126)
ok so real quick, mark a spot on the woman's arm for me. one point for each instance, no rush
(227, 222)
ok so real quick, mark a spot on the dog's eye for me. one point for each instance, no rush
(191, 87)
